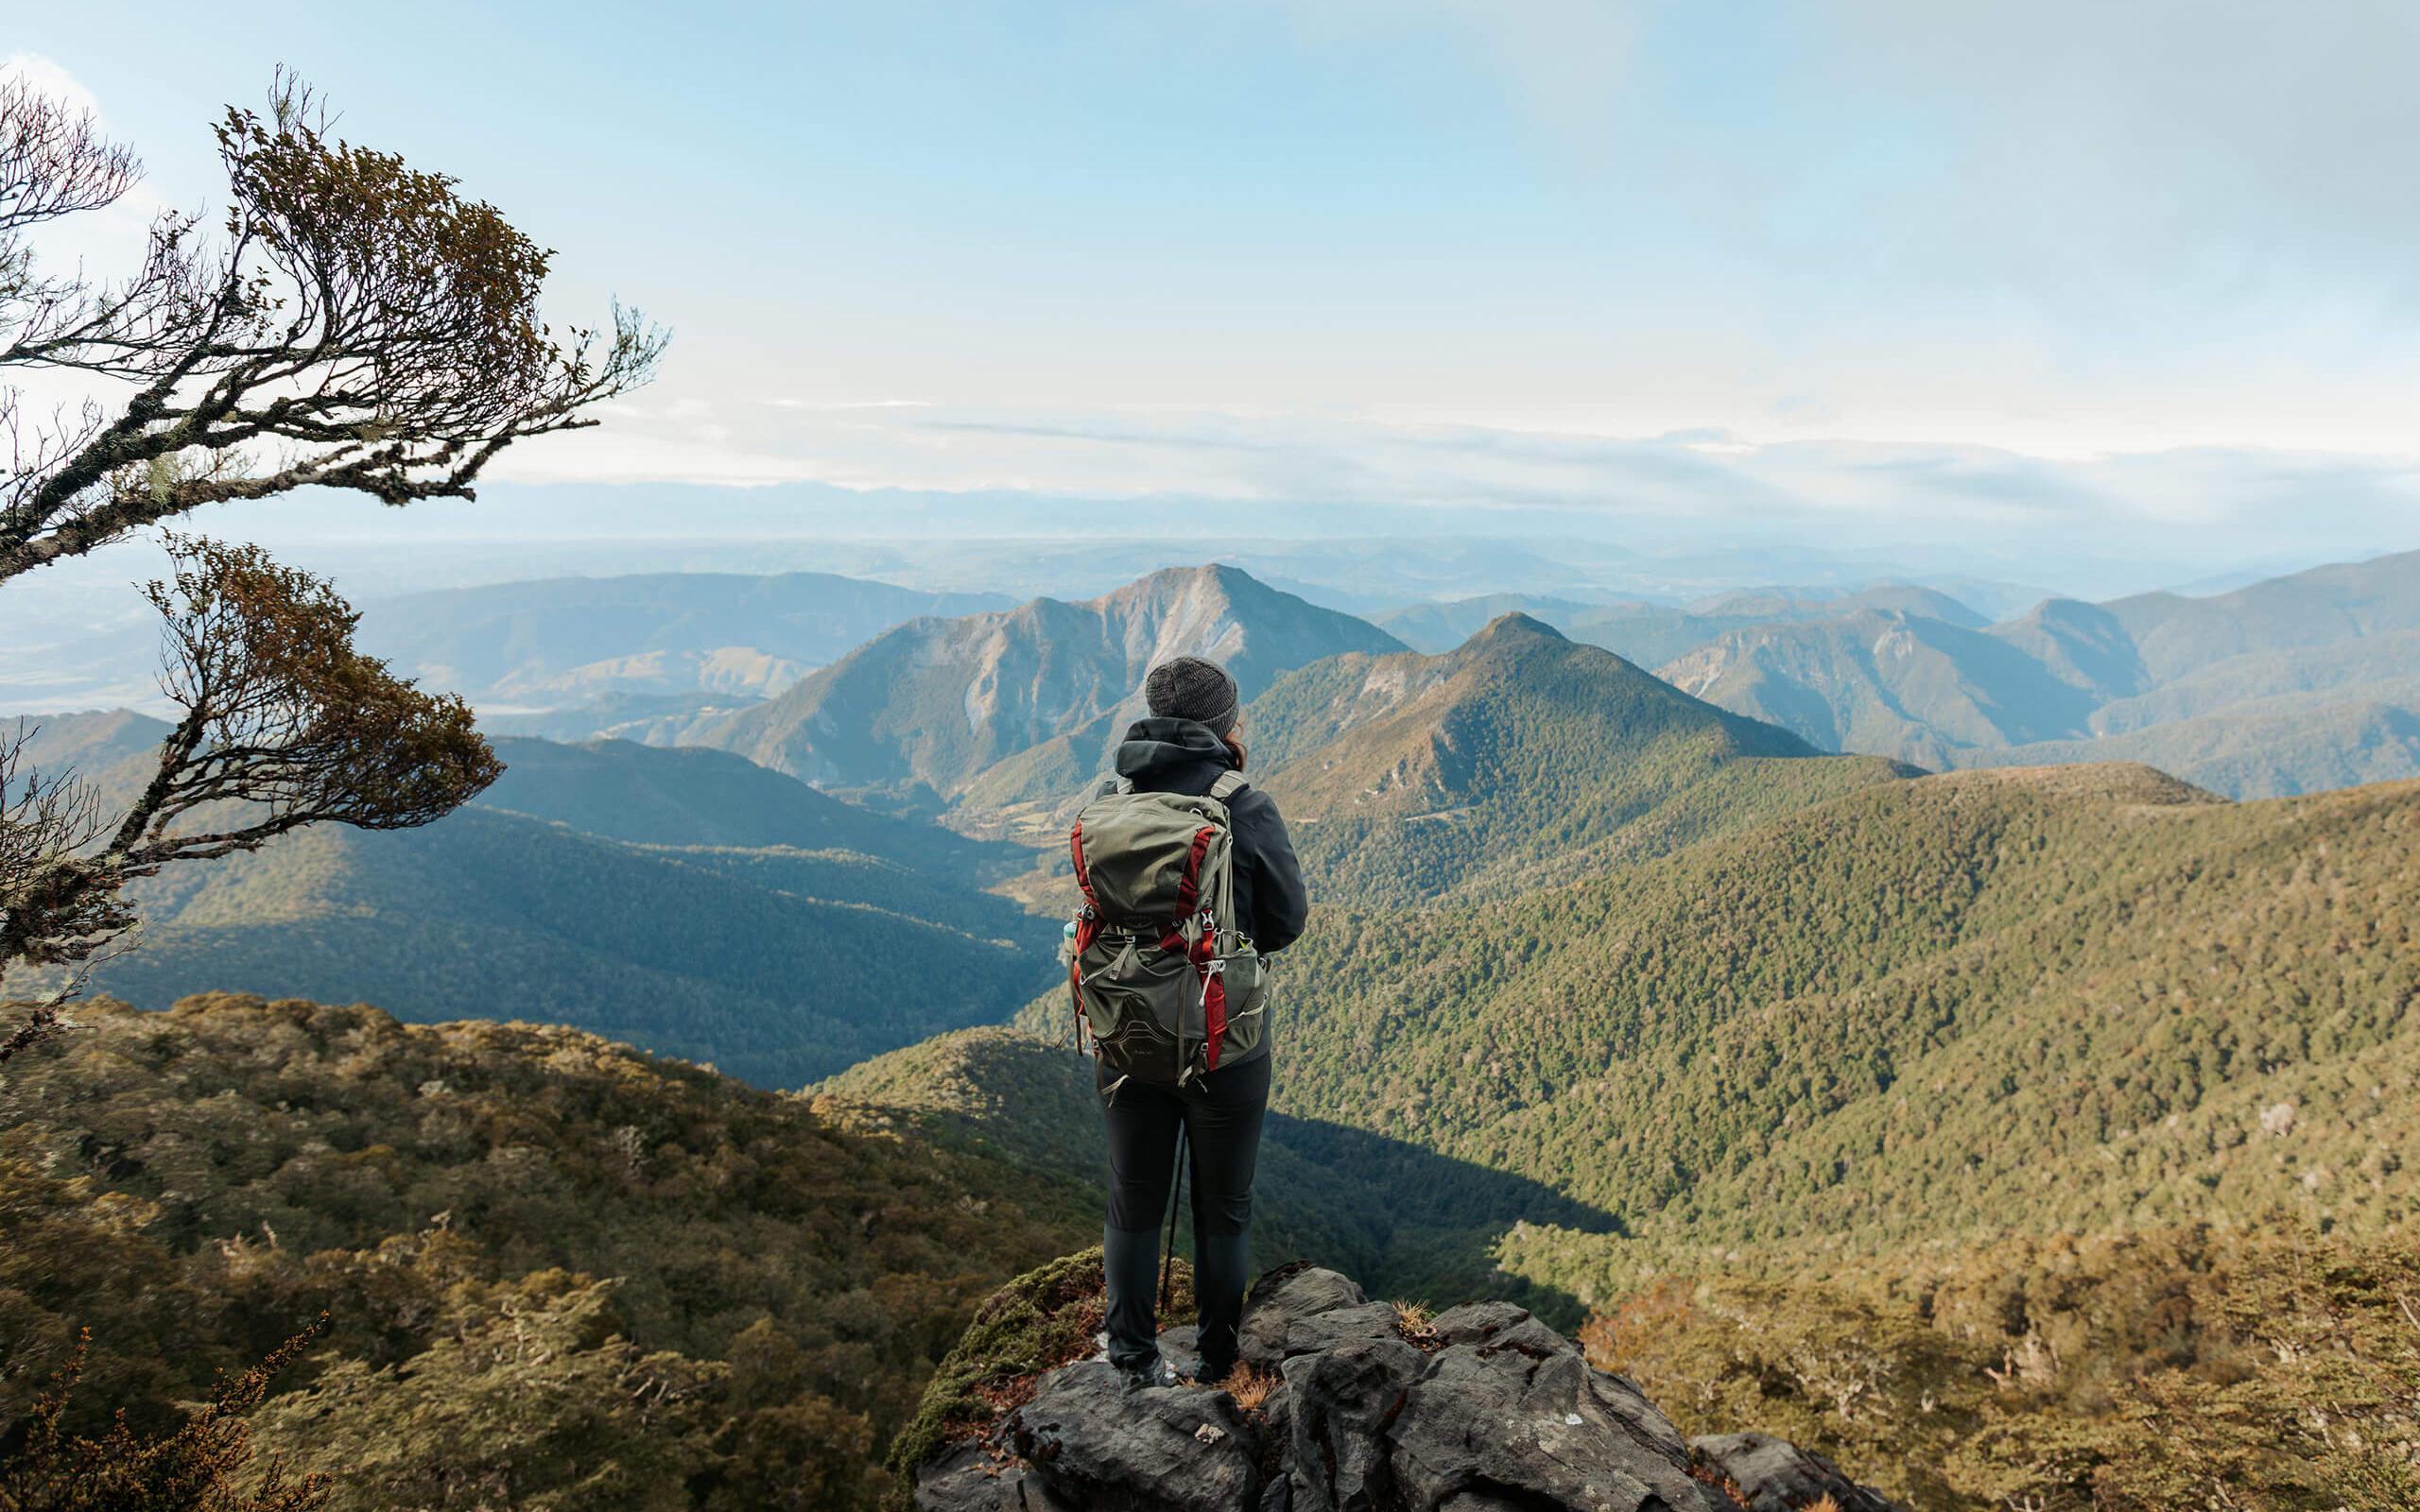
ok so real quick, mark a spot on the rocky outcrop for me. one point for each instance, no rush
(1346, 1405)
(1775, 1475)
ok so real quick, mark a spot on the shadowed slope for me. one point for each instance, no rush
(1415, 1221)
(492, 914)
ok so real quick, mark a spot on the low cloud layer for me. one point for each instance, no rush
(2204, 507)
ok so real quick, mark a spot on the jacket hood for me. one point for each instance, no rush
(1166, 750)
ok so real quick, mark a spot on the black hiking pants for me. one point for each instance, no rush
(1220, 1113)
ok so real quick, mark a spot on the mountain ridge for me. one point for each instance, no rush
(1518, 757)
(936, 704)
(2051, 683)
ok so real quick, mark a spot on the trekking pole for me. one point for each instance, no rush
(1167, 1255)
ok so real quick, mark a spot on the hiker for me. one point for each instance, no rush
(1190, 885)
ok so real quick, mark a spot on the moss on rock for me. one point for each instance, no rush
(1047, 1317)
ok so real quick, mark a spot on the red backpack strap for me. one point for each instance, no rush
(1076, 853)
(1189, 888)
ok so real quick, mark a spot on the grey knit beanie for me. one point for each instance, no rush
(1186, 687)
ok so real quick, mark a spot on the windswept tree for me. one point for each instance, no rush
(357, 324)
(354, 324)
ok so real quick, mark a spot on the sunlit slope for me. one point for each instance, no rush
(939, 703)
(1955, 1006)
(1516, 759)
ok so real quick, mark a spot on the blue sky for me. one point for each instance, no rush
(1898, 263)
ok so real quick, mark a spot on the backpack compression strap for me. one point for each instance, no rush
(1206, 958)
(1087, 926)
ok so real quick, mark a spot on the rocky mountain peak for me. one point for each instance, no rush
(1513, 628)
(1175, 582)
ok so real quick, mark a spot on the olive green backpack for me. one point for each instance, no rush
(1166, 985)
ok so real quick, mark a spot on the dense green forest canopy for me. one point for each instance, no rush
(1940, 1009)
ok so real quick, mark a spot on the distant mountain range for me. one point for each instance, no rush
(705, 901)
(565, 643)
(995, 710)
(2286, 685)
(2289, 685)
(1652, 634)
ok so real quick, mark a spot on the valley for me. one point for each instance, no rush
(1611, 988)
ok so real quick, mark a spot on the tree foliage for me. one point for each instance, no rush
(284, 724)
(203, 1464)
(357, 324)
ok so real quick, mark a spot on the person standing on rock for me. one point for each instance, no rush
(1190, 885)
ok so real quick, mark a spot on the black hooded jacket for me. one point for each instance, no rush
(1184, 756)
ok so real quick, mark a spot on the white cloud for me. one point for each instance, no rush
(2202, 507)
(50, 77)
(108, 242)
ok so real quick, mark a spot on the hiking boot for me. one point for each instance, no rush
(1148, 1372)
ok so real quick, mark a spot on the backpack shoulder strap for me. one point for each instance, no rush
(1109, 783)
(1228, 785)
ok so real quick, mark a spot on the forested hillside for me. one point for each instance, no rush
(584, 1278)
(1518, 759)
(685, 901)
(1926, 1011)
(691, 795)
(777, 967)
(1933, 1010)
